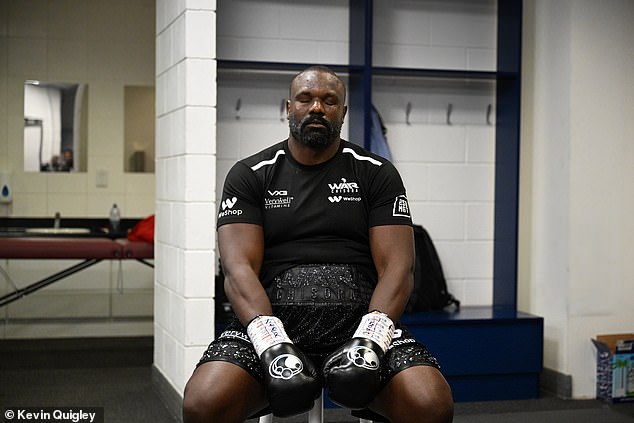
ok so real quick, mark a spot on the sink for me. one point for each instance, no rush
(57, 231)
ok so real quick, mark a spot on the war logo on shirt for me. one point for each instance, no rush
(341, 191)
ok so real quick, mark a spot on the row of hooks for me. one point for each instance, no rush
(282, 109)
(408, 112)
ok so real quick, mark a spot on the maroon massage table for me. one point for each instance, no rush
(90, 250)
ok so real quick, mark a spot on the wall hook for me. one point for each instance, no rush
(238, 107)
(489, 110)
(408, 111)
(449, 110)
(283, 110)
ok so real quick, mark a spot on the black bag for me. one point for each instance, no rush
(430, 287)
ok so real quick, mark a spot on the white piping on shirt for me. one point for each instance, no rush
(268, 162)
(345, 150)
(358, 157)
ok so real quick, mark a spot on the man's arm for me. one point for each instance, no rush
(241, 247)
(392, 248)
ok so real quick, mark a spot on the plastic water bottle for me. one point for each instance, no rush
(115, 220)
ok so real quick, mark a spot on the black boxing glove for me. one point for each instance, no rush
(290, 378)
(352, 372)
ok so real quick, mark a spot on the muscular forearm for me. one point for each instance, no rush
(246, 295)
(392, 292)
(393, 255)
(241, 249)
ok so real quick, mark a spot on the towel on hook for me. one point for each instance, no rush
(378, 140)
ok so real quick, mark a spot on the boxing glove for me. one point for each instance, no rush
(352, 372)
(289, 376)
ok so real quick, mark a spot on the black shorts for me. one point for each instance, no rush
(320, 307)
(233, 345)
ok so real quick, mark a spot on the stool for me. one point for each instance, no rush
(315, 414)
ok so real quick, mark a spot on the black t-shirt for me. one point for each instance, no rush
(314, 214)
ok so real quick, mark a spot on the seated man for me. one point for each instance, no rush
(317, 249)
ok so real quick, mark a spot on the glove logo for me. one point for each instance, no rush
(285, 366)
(364, 357)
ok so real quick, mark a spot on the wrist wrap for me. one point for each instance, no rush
(377, 327)
(265, 332)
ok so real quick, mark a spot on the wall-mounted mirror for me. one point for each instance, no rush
(55, 126)
(139, 128)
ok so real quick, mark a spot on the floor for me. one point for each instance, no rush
(120, 383)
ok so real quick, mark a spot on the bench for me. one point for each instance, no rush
(486, 353)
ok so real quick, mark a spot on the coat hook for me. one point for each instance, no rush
(238, 107)
(449, 110)
(408, 110)
(489, 110)
(283, 110)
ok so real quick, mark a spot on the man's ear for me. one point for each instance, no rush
(288, 108)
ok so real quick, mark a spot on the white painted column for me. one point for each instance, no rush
(185, 185)
(577, 178)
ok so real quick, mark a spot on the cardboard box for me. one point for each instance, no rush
(615, 367)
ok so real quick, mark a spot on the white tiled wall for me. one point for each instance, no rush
(283, 31)
(106, 45)
(450, 34)
(448, 169)
(185, 185)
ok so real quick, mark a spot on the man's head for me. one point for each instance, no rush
(316, 107)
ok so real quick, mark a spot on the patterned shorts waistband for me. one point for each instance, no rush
(323, 283)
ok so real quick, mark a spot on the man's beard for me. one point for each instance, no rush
(314, 137)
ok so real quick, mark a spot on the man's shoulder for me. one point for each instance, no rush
(267, 156)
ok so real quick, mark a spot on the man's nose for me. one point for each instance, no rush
(317, 106)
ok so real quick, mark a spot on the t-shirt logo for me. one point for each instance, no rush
(401, 207)
(342, 191)
(277, 199)
(229, 203)
(227, 208)
(344, 187)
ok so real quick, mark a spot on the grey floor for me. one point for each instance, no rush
(121, 382)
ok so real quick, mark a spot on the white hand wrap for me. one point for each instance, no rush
(377, 327)
(266, 331)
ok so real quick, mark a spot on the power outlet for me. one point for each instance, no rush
(102, 179)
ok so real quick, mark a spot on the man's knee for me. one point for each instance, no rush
(221, 392)
(438, 408)
(437, 402)
(200, 405)
(418, 394)
(196, 407)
